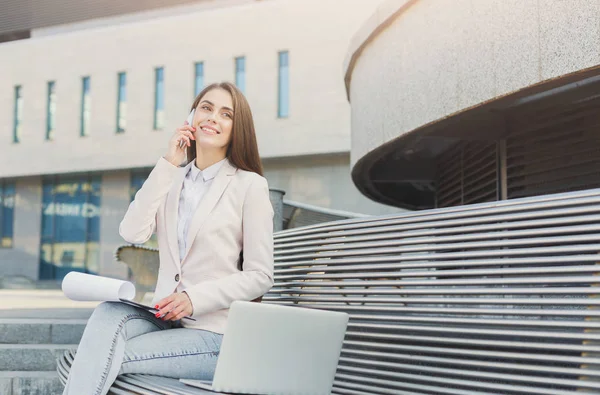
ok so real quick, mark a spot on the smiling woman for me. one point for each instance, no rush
(216, 103)
(204, 215)
(211, 126)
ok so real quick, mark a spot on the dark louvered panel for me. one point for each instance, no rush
(467, 174)
(556, 155)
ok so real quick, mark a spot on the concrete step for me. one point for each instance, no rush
(30, 383)
(31, 357)
(41, 331)
(46, 313)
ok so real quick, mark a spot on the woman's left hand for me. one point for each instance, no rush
(175, 306)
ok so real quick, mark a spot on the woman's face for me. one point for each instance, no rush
(213, 120)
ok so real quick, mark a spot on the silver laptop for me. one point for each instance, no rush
(277, 350)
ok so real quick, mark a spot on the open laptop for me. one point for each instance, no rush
(277, 350)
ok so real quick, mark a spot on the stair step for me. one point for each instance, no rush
(41, 331)
(31, 357)
(30, 383)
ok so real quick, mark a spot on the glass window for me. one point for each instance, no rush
(86, 103)
(122, 103)
(7, 212)
(18, 115)
(159, 99)
(198, 78)
(240, 73)
(51, 111)
(283, 108)
(70, 225)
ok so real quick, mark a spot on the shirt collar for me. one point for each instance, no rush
(209, 173)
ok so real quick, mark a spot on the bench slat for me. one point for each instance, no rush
(516, 346)
(398, 239)
(440, 291)
(334, 265)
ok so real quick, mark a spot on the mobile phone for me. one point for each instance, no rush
(189, 120)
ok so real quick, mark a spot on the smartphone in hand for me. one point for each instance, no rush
(189, 120)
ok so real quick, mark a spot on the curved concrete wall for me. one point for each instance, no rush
(416, 62)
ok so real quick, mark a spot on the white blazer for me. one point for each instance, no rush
(234, 214)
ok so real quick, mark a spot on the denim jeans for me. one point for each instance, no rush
(120, 338)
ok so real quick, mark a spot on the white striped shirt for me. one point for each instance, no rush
(195, 185)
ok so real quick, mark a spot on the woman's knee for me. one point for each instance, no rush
(111, 310)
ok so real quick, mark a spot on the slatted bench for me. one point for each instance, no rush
(494, 298)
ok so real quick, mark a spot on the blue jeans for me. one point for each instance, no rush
(120, 338)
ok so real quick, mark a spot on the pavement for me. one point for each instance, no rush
(42, 303)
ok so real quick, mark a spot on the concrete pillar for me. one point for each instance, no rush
(276, 197)
(114, 201)
(23, 258)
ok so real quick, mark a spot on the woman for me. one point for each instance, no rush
(204, 215)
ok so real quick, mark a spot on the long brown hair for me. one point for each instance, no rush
(242, 151)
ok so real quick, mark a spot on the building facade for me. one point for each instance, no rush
(91, 101)
(461, 102)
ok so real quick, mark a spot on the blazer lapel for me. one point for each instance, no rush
(208, 202)
(172, 212)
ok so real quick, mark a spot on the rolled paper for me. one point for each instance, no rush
(88, 287)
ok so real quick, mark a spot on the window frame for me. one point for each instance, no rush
(240, 73)
(85, 124)
(121, 99)
(17, 113)
(198, 78)
(159, 71)
(50, 110)
(283, 103)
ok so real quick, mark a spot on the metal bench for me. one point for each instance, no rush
(495, 298)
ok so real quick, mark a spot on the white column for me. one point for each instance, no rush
(23, 258)
(115, 200)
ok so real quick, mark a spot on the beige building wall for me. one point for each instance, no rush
(315, 32)
(305, 154)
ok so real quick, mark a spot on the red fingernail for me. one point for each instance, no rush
(156, 307)
(157, 315)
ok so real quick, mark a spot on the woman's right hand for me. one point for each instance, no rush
(176, 153)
